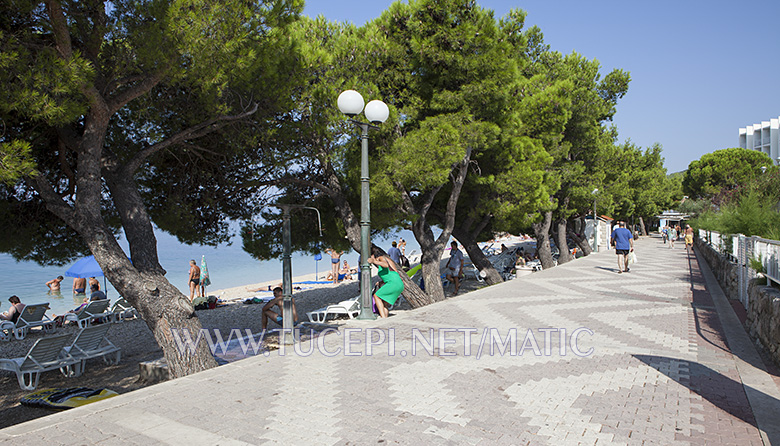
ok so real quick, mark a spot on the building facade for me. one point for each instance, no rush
(764, 137)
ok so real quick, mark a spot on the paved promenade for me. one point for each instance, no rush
(659, 358)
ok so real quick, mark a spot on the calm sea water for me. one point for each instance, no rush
(228, 265)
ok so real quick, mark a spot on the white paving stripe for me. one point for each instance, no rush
(298, 404)
(167, 431)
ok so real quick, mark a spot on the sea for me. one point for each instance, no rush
(228, 265)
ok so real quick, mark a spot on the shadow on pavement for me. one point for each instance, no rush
(720, 390)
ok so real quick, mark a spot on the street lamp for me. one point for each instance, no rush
(288, 336)
(595, 223)
(350, 103)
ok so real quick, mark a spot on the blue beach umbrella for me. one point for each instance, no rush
(85, 268)
(317, 258)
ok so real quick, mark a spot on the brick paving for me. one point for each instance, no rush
(495, 366)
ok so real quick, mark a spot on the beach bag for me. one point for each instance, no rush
(631, 258)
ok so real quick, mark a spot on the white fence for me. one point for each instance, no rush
(740, 250)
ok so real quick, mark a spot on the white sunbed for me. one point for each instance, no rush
(122, 311)
(95, 309)
(32, 316)
(349, 307)
(89, 343)
(45, 355)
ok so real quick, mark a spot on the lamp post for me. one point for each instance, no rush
(350, 103)
(288, 336)
(595, 223)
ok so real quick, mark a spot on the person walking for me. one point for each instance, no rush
(623, 241)
(688, 239)
(672, 237)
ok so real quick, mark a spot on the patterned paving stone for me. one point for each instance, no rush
(660, 372)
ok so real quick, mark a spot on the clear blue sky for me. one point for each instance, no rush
(700, 70)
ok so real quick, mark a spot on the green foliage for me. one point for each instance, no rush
(191, 61)
(723, 171)
(16, 161)
(752, 214)
(757, 264)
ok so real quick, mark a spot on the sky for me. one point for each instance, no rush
(700, 70)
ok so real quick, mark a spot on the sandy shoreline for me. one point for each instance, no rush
(138, 344)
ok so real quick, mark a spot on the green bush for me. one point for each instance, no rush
(754, 213)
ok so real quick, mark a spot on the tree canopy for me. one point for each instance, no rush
(724, 170)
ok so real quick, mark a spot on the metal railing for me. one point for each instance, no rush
(740, 250)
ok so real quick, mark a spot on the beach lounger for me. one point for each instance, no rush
(122, 311)
(45, 355)
(349, 307)
(32, 316)
(95, 309)
(89, 343)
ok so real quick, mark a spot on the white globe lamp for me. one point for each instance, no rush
(350, 102)
(377, 112)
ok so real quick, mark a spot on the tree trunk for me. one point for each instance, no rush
(560, 240)
(163, 306)
(143, 284)
(642, 226)
(582, 242)
(412, 293)
(432, 250)
(432, 247)
(542, 231)
(478, 258)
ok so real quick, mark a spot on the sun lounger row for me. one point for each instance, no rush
(57, 353)
(35, 316)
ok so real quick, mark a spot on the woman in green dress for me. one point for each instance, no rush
(388, 272)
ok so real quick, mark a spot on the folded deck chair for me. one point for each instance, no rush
(122, 311)
(349, 307)
(90, 342)
(32, 316)
(93, 310)
(45, 355)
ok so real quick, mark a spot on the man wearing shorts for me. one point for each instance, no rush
(194, 279)
(624, 243)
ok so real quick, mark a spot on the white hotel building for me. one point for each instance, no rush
(764, 137)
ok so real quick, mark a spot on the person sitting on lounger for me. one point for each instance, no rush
(96, 293)
(16, 309)
(277, 301)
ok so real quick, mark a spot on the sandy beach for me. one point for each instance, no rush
(138, 344)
